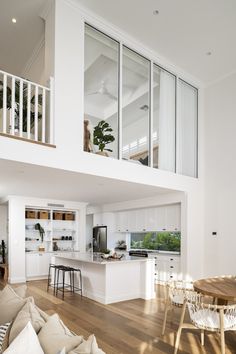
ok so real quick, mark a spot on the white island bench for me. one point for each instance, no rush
(109, 281)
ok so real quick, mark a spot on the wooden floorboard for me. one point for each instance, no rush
(129, 327)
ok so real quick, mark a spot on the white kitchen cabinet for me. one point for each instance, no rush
(173, 217)
(37, 264)
(167, 267)
(122, 221)
(162, 218)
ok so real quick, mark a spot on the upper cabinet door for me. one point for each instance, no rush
(160, 215)
(173, 222)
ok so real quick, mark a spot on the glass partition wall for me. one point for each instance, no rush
(135, 107)
(100, 93)
(131, 111)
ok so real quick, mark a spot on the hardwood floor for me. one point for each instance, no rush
(129, 327)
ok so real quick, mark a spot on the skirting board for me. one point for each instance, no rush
(16, 280)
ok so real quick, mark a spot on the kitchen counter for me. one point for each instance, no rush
(109, 281)
(97, 259)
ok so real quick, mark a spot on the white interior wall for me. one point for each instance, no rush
(3, 222)
(36, 69)
(220, 176)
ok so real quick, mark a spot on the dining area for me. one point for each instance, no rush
(206, 305)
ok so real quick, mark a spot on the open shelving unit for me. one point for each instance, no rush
(60, 226)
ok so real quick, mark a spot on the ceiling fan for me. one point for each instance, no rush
(103, 90)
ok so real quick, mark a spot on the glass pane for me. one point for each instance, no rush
(135, 107)
(187, 129)
(100, 93)
(163, 119)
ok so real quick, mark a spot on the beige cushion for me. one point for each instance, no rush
(25, 343)
(21, 291)
(88, 347)
(10, 304)
(55, 335)
(28, 313)
(43, 314)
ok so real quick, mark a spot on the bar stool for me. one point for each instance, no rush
(62, 270)
(50, 284)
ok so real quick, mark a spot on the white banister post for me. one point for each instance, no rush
(51, 113)
(21, 108)
(4, 103)
(43, 115)
(28, 110)
(13, 83)
(36, 113)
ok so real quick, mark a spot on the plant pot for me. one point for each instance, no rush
(103, 153)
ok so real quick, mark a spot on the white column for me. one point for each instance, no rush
(16, 240)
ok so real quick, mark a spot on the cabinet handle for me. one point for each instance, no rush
(171, 267)
(171, 276)
(164, 229)
(144, 229)
(171, 259)
(127, 230)
(40, 254)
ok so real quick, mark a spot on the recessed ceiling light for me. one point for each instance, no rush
(208, 53)
(155, 12)
(13, 20)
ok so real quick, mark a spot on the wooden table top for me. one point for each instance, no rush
(219, 287)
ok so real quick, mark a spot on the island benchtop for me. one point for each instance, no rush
(96, 259)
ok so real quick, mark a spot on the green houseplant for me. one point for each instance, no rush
(102, 136)
(17, 105)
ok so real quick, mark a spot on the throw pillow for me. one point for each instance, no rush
(3, 334)
(88, 347)
(54, 335)
(10, 304)
(26, 342)
(21, 291)
(28, 313)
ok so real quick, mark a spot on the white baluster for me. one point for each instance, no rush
(36, 114)
(13, 86)
(4, 103)
(21, 108)
(28, 110)
(43, 115)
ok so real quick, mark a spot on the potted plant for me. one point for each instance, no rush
(102, 136)
(17, 105)
(121, 245)
(105, 253)
(3, 251)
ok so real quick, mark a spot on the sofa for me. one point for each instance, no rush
(25, 328)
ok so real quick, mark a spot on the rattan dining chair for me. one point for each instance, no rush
(176, 292)
(208, 317)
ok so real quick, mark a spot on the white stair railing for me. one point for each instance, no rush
(26, 109)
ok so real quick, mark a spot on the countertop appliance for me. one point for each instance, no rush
(138, 253)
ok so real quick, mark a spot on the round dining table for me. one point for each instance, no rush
(222, 288)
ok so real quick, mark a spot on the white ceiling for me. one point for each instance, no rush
(183, 32)
(18, 41)
(43, 182)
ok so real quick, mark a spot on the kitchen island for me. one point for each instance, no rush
(109, 281)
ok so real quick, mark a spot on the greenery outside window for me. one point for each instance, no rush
(159, 241)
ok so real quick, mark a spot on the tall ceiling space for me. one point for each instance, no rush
(19, 40)
(197, 36)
